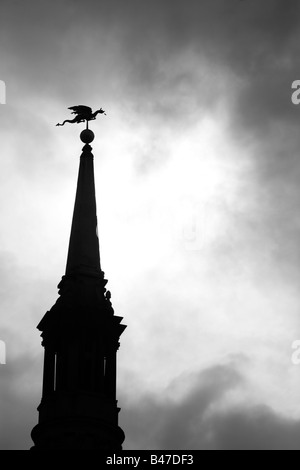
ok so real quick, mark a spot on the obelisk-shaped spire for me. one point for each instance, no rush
(83, 254)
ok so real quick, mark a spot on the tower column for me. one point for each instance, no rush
(111, 374)
(49, 371)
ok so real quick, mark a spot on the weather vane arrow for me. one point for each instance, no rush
(83, 113)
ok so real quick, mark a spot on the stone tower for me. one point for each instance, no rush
(80, 334)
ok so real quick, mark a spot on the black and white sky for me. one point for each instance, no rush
(197, 180)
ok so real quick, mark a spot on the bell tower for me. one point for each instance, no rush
(80, 335)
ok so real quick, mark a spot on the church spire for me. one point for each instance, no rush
(83, 252)
(81, 336)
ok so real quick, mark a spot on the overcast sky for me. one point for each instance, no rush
(197, 180)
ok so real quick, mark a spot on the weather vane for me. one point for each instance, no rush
(83, 113)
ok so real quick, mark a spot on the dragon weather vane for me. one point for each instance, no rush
(83, 113)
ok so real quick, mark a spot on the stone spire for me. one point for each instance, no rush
(81, 335)
(84, 244)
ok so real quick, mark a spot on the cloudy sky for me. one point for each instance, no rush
(197, 169)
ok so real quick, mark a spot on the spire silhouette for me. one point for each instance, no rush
(84, 252)
(80, 334)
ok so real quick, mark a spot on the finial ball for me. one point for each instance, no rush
(87, 136)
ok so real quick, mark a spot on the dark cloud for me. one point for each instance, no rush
(164, 60)
(253, 42)
(200, 421)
